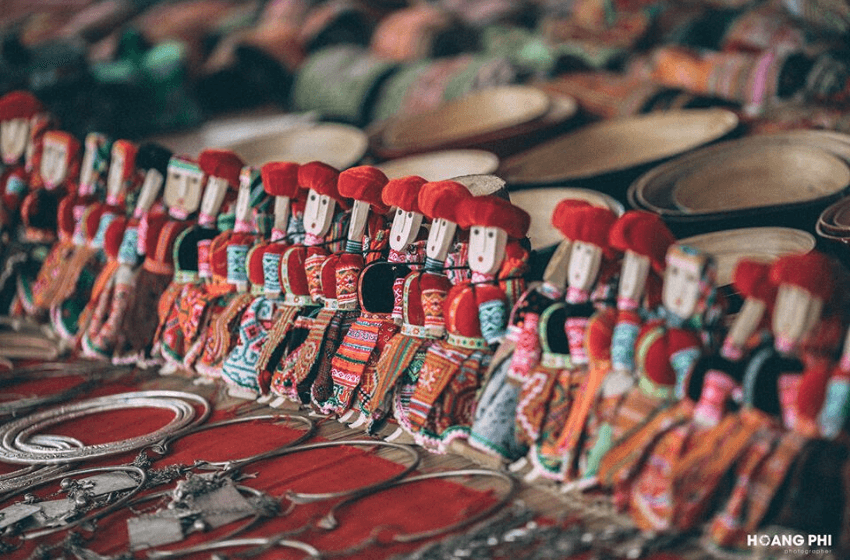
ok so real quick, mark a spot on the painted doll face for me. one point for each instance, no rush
(87, 167)
(183, 185)
(243, 197)
(633, 275)
(213, 196)
(150, 189)
(115, 180)
(794, 315)
(318, 213)
(585, 260)
(440, 239)
(13, 139)
(486, 248)
(54, 162)
(404, 229)
(681, 290)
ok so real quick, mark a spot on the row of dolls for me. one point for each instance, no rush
(405, 300)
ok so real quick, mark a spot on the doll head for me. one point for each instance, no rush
(364, 185)
(60, 158)
(222, 168)
(644, 239)
(751, 279)
(183, 186)
(588, 227)
(152, 159)
(280, 180)
(804, 284)
(688, 283)
(403, 194)
(16, 110)
(122, 171)
(95, 163)
(323, 197)
(492, 221)
(440, 201)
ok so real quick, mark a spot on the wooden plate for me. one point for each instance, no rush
(446, 164)
(338, 145)
(616, 145)
(767, 176)
(475, 114)
(760, 243)
(540, 203)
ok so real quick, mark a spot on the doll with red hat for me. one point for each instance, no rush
(423, 291)
(835, 411)
(336, 372)
(326, 219)
(382, 300)
(590, 272)
(476, 313)
(17, 109)
(640, 468)
(221, 336)
(666, 350)
(122, 185)
(271, 314)
(162, 273)
(221, 168)
(125, 250)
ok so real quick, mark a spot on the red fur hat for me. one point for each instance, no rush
(441, 199)
(561, 213)
(255, 264)
(280, 178)
(218, 254)
(323, 179)
(130, 150)
(813, 272)
(114, 236)
(404, 193)
(223, 164)
(590, 224)
(752, 280)
(19, 105)
(364, 183)
(643, 233)
(494, 211)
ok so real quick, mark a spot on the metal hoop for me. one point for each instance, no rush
(263, 543)
(31, 474)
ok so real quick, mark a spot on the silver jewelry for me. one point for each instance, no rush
(31, 474)
(15, 436)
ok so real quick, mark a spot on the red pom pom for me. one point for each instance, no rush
(255, 263)
(440, 199)
(561, 213)
(114, 236)
(218, 253)
(65, 213)
(752, 280)
(365, 183)
(643, 233)
(91, 219)
(813, 272)
(280, 178)
(19, 105)
(590, 224)
(404, 193)
(323, 179)
(296, 276)
(493, 211)
(223, 164)
(161, 236)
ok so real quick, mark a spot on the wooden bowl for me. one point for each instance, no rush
(617, 145)
(759, 243)
(764, 176)
(540, 203)
(472, 115)
(446, 164)
(338, 145)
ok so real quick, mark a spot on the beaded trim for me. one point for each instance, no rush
(556, 361)
(298, 300)
(331, 304)
(472, 342)
(185, 276)
(416, 331)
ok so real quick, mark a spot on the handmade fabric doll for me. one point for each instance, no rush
(294, 353)
(88, 260)
(220, 336)
(43, 210)
(117, 283)
(242, 367)
(339, 374)
(476, 314)
(17, 108)
(646, 484)
(381, 295)
(154, 287)
(832, 418)
(666, 349)
(591, 267)
(423, 294)
(183, 323)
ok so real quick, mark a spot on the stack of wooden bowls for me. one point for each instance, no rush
(783, 179)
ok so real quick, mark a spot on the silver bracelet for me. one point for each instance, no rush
(14, 435)
(161, 448)
(31, 474)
